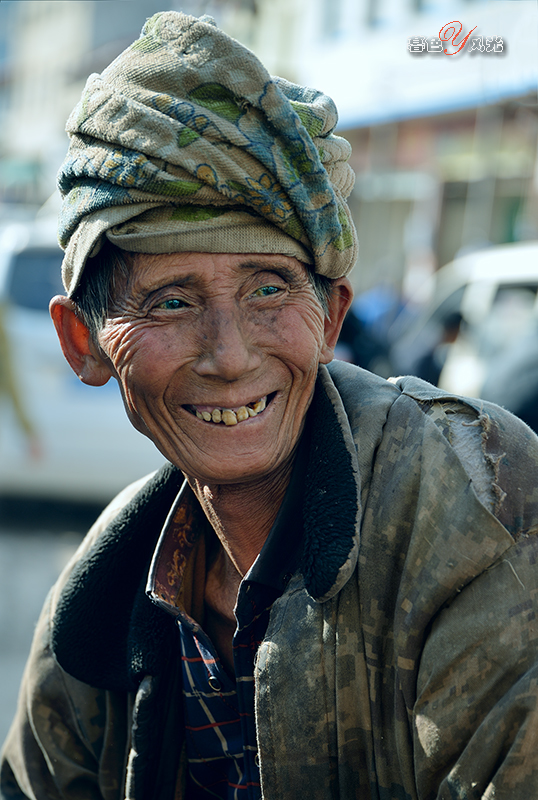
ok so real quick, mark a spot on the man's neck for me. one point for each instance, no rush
(242, 515)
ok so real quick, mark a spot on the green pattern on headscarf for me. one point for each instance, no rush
(311, 122)
(147, 45)
(195, 213)
(217, 99)
(186, 137)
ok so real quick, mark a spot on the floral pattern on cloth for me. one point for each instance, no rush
(188, 116)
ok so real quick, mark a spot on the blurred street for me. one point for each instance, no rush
(36, 541)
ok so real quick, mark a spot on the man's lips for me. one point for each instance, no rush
(230, 416)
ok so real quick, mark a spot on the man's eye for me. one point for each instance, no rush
(172, 304)
(265, 291)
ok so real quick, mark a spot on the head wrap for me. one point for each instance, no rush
(186, 143)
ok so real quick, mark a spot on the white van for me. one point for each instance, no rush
(83, 448)
(496, 291)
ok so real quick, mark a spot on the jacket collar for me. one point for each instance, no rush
(106, 631)
(332, 509)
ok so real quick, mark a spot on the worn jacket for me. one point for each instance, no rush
(400, 663)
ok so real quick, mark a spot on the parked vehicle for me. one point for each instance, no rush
(495, 291)
(78, 444)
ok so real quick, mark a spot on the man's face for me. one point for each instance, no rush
(196, 337)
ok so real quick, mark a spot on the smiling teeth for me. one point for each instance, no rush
(241, 413)
(230, 416)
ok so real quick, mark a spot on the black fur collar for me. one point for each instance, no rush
(106, 631)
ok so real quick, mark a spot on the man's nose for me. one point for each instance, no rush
(226, 347)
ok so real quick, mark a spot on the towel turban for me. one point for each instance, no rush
(186, 143)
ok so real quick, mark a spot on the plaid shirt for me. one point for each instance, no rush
(218, 710)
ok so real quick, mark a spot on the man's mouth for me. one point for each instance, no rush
(230, 416)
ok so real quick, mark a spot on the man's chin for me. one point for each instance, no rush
(234, 469)
(229, 475)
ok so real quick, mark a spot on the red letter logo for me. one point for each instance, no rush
(449, 33)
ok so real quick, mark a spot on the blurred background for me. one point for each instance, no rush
(446, 204)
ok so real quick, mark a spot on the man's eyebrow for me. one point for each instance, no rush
(272, 266)
(146, 289)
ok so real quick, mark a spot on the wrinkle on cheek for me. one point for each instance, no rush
(122, 342)
(137, 352)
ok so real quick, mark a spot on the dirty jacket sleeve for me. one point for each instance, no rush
(475, 717)
(465, 624)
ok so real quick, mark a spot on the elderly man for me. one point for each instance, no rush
(331, 589)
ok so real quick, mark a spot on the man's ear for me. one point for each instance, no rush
(77, 345)
(339, 303)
